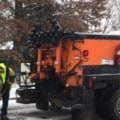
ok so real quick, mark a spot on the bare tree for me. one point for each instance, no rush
(114, 7)
(16, 21)
(80, 15)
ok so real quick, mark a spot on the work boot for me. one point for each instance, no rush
(4, 118)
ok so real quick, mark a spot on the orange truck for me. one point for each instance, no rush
(73, 71)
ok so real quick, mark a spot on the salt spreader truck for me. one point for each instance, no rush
(72, 71)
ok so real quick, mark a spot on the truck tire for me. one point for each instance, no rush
(114, 106)
(29, 53)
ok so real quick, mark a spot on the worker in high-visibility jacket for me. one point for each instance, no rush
(7, 76)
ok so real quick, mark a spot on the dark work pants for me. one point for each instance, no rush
(5, 99)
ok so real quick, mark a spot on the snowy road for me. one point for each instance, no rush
(29, 112)
(18, 111)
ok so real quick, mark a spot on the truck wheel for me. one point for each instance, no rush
(114, 106)
(29, 53)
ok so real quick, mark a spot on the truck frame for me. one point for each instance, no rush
(73, 71)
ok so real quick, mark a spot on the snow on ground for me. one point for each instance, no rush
(13, 90)
(17, 111)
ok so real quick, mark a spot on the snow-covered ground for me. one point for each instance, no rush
(13, 90)
(17, 111)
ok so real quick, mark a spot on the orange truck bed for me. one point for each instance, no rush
(90, 54)
(101, 48)
(100, 51)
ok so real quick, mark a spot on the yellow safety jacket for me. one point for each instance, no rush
(3, 70)
(5, 73)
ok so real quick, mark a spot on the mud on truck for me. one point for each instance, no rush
(73, 71)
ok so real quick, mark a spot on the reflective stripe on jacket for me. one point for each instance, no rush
(3, 73)
(11, 72)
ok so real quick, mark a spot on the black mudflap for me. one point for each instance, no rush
(59, 100)
(88, 113)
